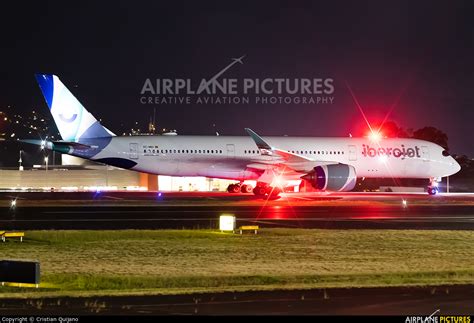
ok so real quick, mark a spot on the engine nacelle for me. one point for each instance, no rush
(337, 177)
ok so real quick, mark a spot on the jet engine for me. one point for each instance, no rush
(335, 177)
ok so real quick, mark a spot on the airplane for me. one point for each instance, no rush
(239, 60)
(327, 164)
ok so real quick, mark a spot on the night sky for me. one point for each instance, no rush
(416, 54)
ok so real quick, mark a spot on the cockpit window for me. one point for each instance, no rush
(445, 153)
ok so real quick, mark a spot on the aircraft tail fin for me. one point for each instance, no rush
(74, 122)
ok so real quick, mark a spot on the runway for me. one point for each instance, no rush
(442, 300)
(138, 210)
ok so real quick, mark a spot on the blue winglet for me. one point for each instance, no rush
(46, 85)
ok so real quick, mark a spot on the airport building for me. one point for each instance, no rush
(76, 174)
(94, 178)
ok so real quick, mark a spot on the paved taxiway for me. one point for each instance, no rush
(140, 210)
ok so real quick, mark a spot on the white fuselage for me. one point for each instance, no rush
(231, 157)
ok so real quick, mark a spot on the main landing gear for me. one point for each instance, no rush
(263, 190)
(239, 188)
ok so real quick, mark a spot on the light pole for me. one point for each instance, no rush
(20, 167)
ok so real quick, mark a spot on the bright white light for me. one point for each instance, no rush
(383, 158)
(135, 188)
(404, 203)
(45, 159)
(375, 136)
(435, 184)
(277, 181)
(226, 222)
(69, 188)
(13, 204)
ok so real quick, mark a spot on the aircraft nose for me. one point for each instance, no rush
(455, 167)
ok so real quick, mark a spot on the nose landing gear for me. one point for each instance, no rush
(433, 188)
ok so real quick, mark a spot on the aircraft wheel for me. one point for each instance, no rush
(246, 188)
(233, 188)
(259, 190)
(432, 190)
(273, 191)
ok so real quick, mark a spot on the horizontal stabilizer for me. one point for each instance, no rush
(61, 146)
(74, 145)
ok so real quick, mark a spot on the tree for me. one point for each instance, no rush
(390, 130)
(432, 134)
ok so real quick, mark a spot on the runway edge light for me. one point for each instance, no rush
(227, 222)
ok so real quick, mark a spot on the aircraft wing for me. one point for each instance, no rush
(278, 158)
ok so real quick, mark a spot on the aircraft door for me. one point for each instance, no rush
(352, 152)
(425, 153)
(133, 151)
(230, 150)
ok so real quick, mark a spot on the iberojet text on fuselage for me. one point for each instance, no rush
(398, 152)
